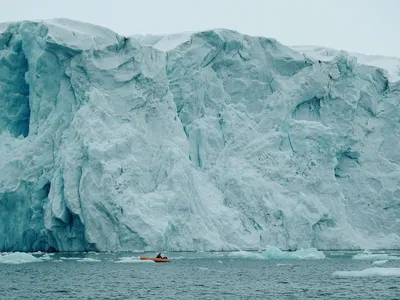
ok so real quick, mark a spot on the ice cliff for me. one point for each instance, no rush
(200, 141)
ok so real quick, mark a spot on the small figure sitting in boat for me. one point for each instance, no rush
(159, 256)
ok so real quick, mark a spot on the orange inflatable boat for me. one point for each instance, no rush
(155, 259)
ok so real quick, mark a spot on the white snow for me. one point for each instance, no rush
(369, 272)
(275, 253)
(18, 258)
(170, 42)
(380, 262)
(200, 141)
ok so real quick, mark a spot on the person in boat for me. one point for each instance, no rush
(159, 256)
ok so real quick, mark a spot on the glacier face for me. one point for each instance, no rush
(198, 141)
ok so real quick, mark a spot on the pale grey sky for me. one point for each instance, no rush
(365, 26)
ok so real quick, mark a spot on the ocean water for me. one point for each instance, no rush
(199, 276)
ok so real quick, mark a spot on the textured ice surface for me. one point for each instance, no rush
(275, 253)
(369, 272)
(18, 258)
(199, 141)
(390, 64)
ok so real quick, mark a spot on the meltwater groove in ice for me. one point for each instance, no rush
(199, 141)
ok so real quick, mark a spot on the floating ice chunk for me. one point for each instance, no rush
(369, 272)
(380, 262)
(366, 255)
(70, 258)
(88, 259)
(45, 257)
(132, 259)
(18, 258)
(275, 253)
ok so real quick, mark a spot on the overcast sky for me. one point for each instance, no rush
(366, 26)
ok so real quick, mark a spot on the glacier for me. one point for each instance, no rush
(200, 141)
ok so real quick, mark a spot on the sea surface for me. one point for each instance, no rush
(201, 276)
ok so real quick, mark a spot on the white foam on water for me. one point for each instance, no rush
(369, 272)
(180, 257)
(133, 259)
(18, 258)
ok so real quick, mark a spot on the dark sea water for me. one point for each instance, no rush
(194, 276)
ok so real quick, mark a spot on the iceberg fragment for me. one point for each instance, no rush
(369, 272)
(380, 262)
(18, 258)
(366, 255)
(272, 252)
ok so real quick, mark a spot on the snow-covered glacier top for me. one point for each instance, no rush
(209, 140)
(387, 63)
